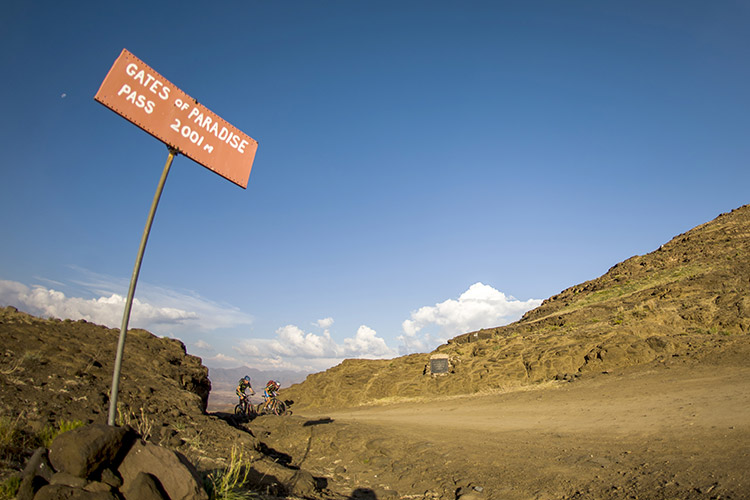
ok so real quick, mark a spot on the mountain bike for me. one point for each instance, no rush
(245, 408)
(273, 406)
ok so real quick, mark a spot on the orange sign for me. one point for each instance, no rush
(144, 97)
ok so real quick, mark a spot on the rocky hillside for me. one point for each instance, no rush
(54, 373)
(689, 297)
(45, 362)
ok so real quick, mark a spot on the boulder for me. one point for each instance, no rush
(62, 492)
(177, 476)
(36, 474)
(145, 487)
(281, 480)
(82, 451)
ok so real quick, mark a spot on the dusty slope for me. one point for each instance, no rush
(673, 428)
(664, 430)
(688, 295)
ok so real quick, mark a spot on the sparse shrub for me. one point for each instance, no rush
(9, 488)
(142, 424)
(31, 357)
(194, 442)
(13, 442)
(50, 432)
(228, 483)
(9, 436)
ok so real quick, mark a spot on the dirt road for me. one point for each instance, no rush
(659, 432)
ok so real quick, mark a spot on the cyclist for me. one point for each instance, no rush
(242, 386)
(270, 392)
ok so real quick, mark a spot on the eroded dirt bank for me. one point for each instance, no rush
(666, 430)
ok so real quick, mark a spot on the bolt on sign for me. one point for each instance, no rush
(142, 96)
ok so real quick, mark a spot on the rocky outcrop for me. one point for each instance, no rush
(62, 370)
(98, 462)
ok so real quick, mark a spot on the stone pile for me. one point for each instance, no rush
(99, 462)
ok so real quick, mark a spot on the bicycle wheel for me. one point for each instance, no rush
(279, 408)
(238, 411)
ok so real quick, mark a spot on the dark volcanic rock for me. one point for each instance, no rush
(175, 474)
(145, 487)
(82, 451)
(62, 492)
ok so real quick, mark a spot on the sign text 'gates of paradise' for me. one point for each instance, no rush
(142, 96)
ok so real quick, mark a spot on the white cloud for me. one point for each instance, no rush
(161, 310)
(247, 348)
(292, 341)
(366, 343)
(202, 344)
(209, 315)
(224, 361)
(481, 306)
(107, 310)
(295, 349)
(324, 323)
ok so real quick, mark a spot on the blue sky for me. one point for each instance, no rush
(424, 168)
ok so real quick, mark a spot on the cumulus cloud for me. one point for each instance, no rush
(366, 343)
(202, 344)
(108, 310)
(324, 323)
(208, 315)
(224, 361)
(481, 306)
(294, 348)
(160, 310)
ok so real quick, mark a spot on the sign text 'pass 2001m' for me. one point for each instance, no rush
(141, 95)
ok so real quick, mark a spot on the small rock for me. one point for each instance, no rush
(68, 479)
(36, 474)
(110, 478)
(471, 495)
(95, 486)
(708, 488)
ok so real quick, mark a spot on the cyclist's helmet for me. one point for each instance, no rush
(246, 378)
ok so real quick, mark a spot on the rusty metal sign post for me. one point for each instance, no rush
(145, 98)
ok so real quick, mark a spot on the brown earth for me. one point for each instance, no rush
(677, 428)
(632, 385)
